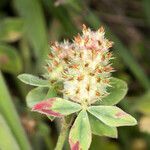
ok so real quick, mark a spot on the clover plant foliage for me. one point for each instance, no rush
(80, 71)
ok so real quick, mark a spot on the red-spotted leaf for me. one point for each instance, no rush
(112, 116)
(51, 93)
(80, 133)
(38, 94)
(57, 107)
(101, 129)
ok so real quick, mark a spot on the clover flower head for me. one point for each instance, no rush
(83, 66)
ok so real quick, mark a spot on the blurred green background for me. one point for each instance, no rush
(26, 28)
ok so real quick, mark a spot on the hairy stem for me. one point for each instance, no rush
(62, 136)
(63, 132)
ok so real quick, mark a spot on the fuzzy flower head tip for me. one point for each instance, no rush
(83, 66)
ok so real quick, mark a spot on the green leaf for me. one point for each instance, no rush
(103, 144)
(36, 95)
(101, 129)
(35, 26)
(33, 80)
(8, 110)
(112, 116)
(7, 140)
(11, 29)
(57, 107)
(9, 59)
(80, 133)
(117, 92)
(51, 93)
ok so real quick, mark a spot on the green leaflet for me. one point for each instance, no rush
(56, 107)
(36, 95)
(101, 129)
(11, 29)
(65, 107)
(33, 80)
(80, 133)
(9, 59)
(104, 144)
(117, 92)
(7, 140)
(112, 116)
(51, 93)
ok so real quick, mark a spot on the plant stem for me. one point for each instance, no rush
(62, 136)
